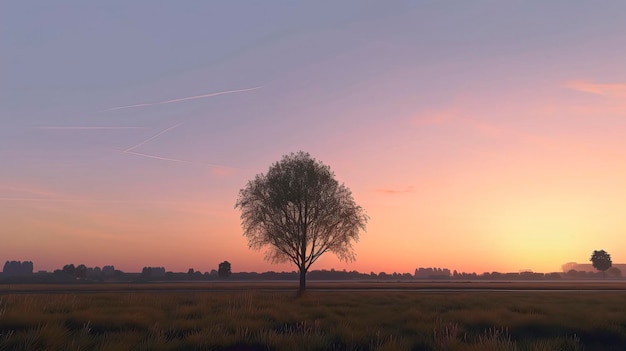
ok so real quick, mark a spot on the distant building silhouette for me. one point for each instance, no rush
(432, 273)
(12, 268)
(153, 272)
(108, 271)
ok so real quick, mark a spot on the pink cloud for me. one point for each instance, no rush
(395, 191)
(32, 193)
(436, 118)
(605, 89)
(18, 191)
(488, 129)
(455, 117)
(222, 171)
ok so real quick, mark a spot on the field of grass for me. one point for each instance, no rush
(319, 285)
(321, 320)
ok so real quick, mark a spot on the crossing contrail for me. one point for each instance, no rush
(216, 169)
(154, 156)
(182, 99)
(152, 138)
(85, 127)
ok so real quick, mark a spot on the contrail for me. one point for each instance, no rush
(152, 138)
(216, 169)
(154, 157)
(84, 128)
(37, 199)
(123, 107)
(182, 99)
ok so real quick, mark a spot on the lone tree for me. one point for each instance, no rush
(601, 261)
(298, 211)
(224, 269)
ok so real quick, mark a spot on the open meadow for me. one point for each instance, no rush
(345, 316)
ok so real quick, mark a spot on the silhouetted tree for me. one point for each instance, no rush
(81, 271)
(224, 269)
(614, 272)
(69, 269)
(146, 271)
(27, 267)
(601, 260)
(17, 268)
(108, 271)
(299, 212)
(190, 271)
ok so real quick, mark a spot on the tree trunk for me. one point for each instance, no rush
(302, 288)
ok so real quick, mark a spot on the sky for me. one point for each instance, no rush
(478, 136)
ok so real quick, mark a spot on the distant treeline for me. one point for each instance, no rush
(12, 268)
(16, 271)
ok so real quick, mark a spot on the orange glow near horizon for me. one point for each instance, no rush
(473, 148)
(530, 204)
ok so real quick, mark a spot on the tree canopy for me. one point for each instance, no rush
(224, 269)
(601, 260)
(298, 211)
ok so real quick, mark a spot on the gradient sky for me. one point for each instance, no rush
(479, 136)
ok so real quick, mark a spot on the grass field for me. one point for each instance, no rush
(322, 320)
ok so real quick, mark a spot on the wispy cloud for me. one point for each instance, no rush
(436, 118)
(153, 137)
(395, 191)
(455, 117)
(605, 89)
(171, 101)
(222, 171)
(490, 130)
(22, 189)
(85, 127)
(37, 199)
(30, 192)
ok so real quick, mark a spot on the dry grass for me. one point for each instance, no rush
(344, 320)
(320, 285)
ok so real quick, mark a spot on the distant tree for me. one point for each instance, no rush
(601, 260)
(80, 272)
(108, 271)
(614, 272)
(553, 275)
(190, 271)
(572, 273)
(299, 212)
(224, 269)
(17, 268)
(69, 269)
(27, 267)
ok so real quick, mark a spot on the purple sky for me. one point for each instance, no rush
(482, 135)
